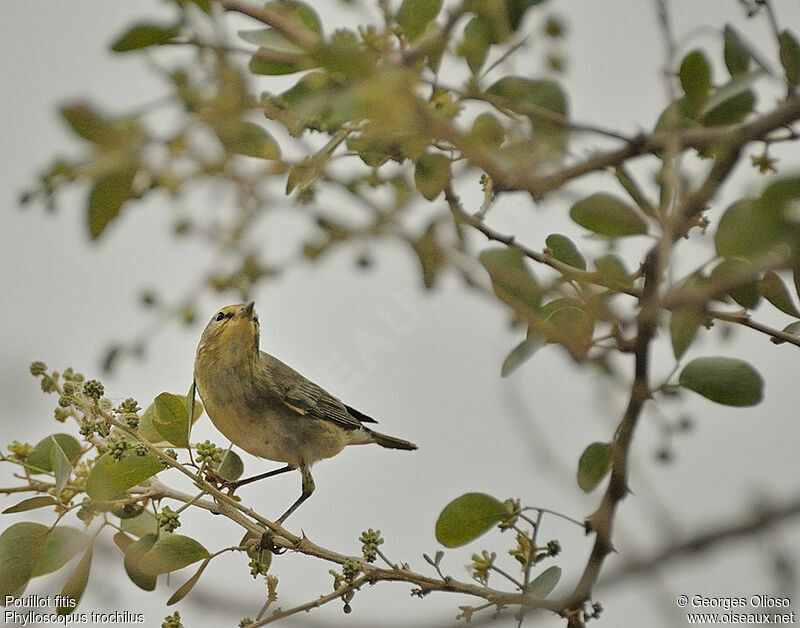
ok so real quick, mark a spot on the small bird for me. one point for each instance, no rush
(269, 409)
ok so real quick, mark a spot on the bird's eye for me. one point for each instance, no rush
(220, 316)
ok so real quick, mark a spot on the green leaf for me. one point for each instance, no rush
(564, 250)
(790, 57)
(187, 586)
(39, 461)
(250, 139)
(521, 353)
(141, 525)
(695, 77)
(111, 190)
(62, 468)
(133, 562)
(271, 39)
(85, 122)
(731, 111)
(739, 271)
(747, 229)
(594, 464)
(122, 541)
(512, 281)
(146, 429)
(144, 35)
(791, 328)
(520, 93)
(171, 419)
(611, 268)
(270, 62)
(40, 501)
(727, 381)
(545, 582)
(252, 542)
(230, 467)
(607, 216)
(737, 56)
(76, 584)
(725, 94)
(430, 254)
(172, 552)
(415, 15)
(432, 174)
(301, 13)
(569, 325)
(467, 517)
(515, 9)
(487, 132)
(683, 326)
(194, 407)
(773, 289)
(277, 55)
(302, 174)
(21, 546)
(476, 43)
(63, 544)
(110, 478)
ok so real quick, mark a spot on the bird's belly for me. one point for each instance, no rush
(278, 436)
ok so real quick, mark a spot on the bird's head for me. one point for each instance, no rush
(233, 328)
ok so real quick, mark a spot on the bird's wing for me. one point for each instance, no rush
(308, 399)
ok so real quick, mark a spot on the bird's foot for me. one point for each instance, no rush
(219, 482)
(268, 543)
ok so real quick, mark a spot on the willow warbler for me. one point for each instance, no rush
(269, 409)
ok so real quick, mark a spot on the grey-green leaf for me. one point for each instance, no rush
(773, 289)
(432, 174)
(109, 193)
(141, 525)
(564, 250)
(143, 36)
(608, 216)
(683, 326)
(695, 76)
(728, 381)
(39, 461)
(172, 552)
(521, 353)
(415, 15)
(21, 546)
(594, 464)
(62, 468)
(467, 517)
(63, 544)
(187, 586)
(171, 418)
(512, 281)
(230, 466)
(73, 589)
(110, 478)
(790, 57)
(40, 501)
(545, 582)
(737, 56)
(250, 139)
(133, 560)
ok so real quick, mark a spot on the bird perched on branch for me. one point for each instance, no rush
(267, 408)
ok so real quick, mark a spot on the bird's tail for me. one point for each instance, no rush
(390, 441)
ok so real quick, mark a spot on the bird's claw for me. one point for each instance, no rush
(219, 482)
(267, 543)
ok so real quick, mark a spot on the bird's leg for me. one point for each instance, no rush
(232, 486)
(307, 489)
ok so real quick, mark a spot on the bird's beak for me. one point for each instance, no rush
(247, 310)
